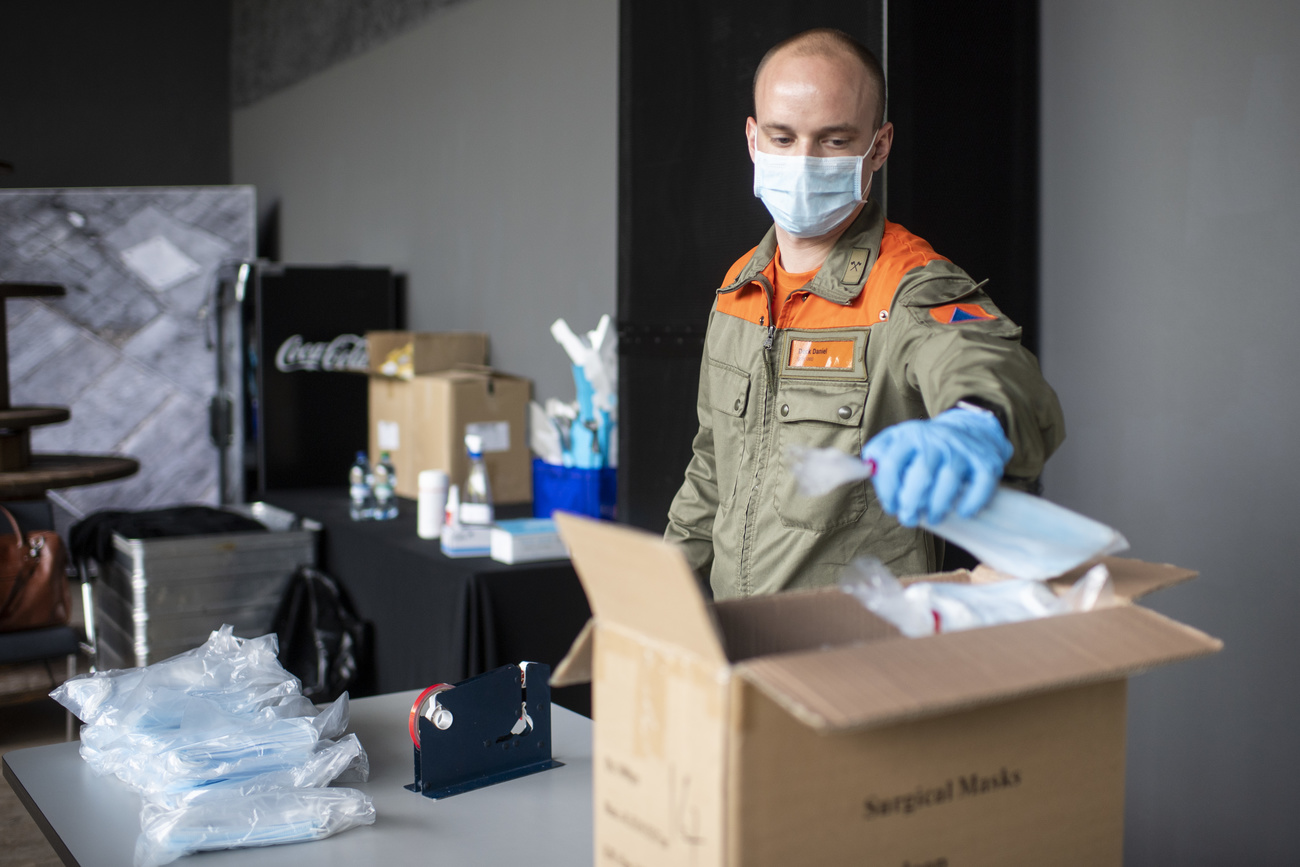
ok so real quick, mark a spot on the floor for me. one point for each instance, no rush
(30, 724)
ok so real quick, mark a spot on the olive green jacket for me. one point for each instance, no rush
(887, 331)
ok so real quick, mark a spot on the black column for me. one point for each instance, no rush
(686, 207)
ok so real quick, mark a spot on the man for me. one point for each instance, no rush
(842, 330)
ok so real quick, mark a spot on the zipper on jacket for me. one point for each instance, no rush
(748, 530)
(768, 292)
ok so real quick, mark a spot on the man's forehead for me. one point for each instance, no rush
(795, 65)
(835, 81)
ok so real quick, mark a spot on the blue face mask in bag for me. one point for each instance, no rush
(810, 196)
(1015, 533)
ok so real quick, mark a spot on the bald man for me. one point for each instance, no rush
(843, 330)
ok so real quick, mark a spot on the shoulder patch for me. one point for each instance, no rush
(950, 314)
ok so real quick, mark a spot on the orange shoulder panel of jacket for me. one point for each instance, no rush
(900, 252)
(745, 303)
(738, 266)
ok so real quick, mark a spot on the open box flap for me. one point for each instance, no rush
(893, 680)
(642, 583)
(575, 668)
(1131, 579)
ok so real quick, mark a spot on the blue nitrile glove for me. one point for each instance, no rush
(926, 468)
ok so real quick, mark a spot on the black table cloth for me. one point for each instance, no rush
(441, 619)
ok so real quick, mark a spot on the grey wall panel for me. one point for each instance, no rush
(274, 45)
(1171, 205)
(476, 153)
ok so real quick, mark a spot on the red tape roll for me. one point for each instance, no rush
(421, 704)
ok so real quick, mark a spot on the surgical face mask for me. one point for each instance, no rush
(809, 196)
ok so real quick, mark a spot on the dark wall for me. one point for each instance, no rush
(963, 95)
(963, 174)
(115, 94)
(686, 207)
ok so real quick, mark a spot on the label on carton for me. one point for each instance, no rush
(390, 436)
(963, 786)
(495, 435)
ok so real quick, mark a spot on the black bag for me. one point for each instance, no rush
(322, 641)
(92, 537)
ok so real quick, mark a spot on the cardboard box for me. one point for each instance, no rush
(801, 729)
(422, 424)
(430, 351)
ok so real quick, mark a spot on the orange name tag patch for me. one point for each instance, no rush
(833, 354)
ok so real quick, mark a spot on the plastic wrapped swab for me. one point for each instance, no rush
(1016, 533)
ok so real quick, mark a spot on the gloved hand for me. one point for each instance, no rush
(926, 468)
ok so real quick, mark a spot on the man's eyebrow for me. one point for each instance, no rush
(847, 128)
(843, 128)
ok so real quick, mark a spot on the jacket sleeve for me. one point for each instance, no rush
(976, 358)
(690, 517)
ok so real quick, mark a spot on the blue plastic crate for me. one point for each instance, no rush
(569, 489)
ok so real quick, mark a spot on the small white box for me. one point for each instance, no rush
(523, 540)
(466, 540)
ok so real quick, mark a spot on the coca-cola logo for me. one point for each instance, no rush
(345, 352)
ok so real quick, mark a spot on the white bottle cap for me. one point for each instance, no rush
(432, 479)
(474, 443)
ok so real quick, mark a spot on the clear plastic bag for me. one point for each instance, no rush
(223, 747)
(228, 673)
(343, 761)
(235, 820)
(927, 608)
(216, 746)
(1016, 533)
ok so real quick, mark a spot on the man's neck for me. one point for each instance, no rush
(799, 255)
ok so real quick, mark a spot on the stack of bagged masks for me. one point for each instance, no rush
(223, 748)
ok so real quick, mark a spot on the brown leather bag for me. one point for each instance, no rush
(33, 579)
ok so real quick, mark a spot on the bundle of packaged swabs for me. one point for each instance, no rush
(223, 748)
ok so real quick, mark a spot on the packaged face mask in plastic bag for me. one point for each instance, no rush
(237, 675)
(206, 747)
(223, 747)
(238, 821)
(343, 761)
(931, 607)
(1016, 533)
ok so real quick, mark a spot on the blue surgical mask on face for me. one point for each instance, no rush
(810, 196)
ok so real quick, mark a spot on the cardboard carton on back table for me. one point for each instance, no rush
(802, 729)
(422, 422)
(430, 351)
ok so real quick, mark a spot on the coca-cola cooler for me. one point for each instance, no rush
(298, 392)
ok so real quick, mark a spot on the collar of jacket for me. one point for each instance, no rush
(834, 281)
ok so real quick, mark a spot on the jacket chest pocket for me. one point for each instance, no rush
(729, 397)
(823, 417)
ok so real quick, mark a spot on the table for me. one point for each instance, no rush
(442, 619)
(540, 820)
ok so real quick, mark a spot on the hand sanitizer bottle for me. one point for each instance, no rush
(476, 499)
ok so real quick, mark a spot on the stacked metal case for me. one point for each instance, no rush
(160, 597)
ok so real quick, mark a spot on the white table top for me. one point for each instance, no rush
(538, 820)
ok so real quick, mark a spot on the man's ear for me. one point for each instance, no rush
(884, 143)
(751, 135)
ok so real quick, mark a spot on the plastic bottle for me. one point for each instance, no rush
(385, 488)
(476, 499)
(453, 507)
(431, 507)
(361, 507)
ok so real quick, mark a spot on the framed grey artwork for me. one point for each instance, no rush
(132, 347)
